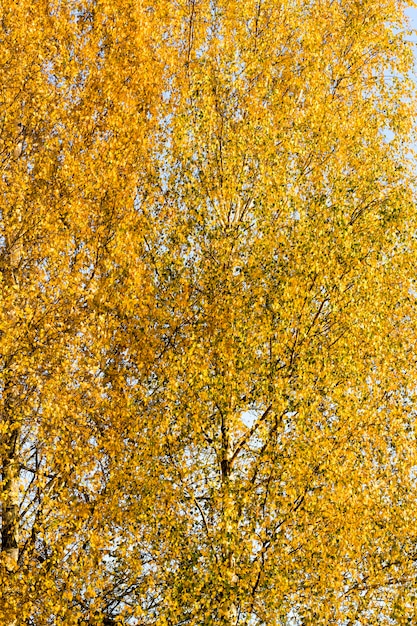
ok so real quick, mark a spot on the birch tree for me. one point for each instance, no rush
(207, 258)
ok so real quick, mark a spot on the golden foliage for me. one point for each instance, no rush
(207, 320)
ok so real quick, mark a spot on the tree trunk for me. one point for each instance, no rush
(10, 475)
(228, 609)
(10, 506)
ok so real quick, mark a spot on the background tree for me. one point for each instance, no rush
(75, 117)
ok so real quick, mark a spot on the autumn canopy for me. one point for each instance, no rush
(208, 313)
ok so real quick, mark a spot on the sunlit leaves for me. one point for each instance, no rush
(207, 336)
